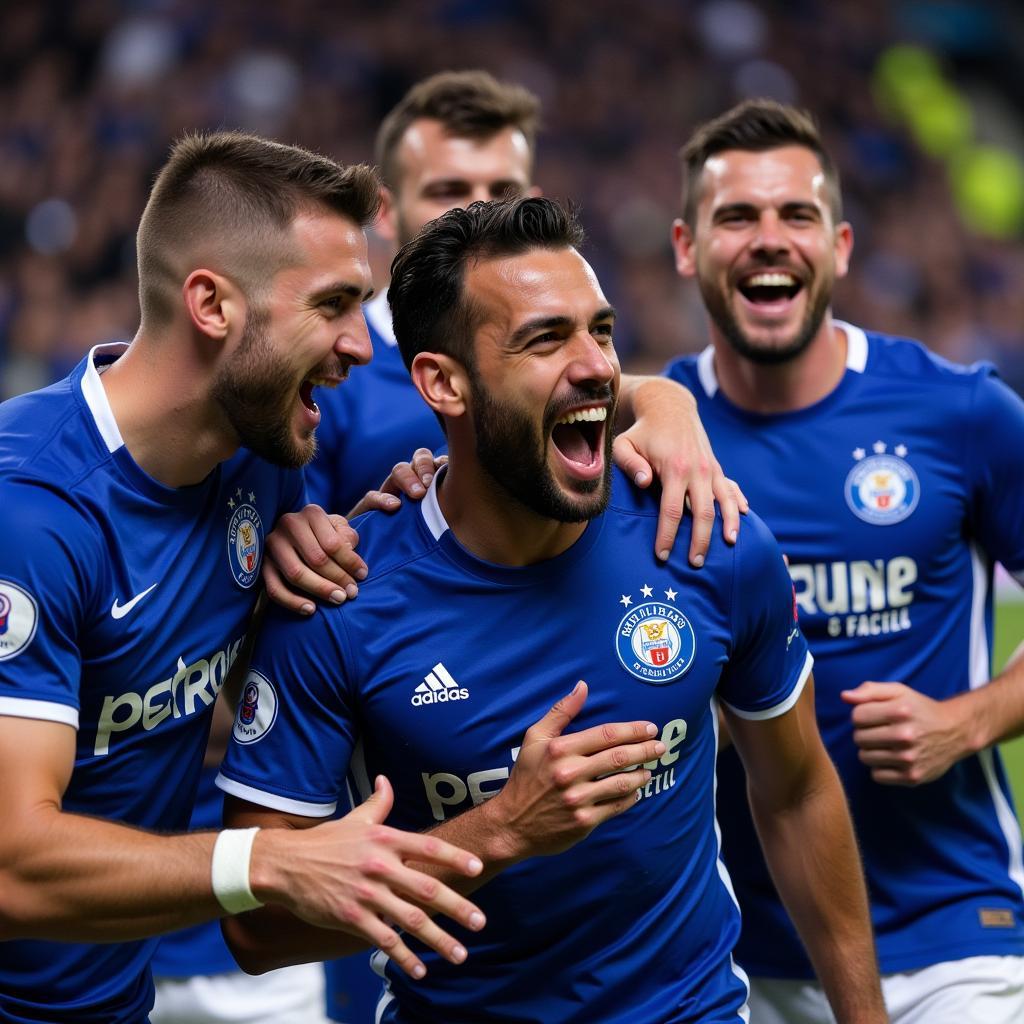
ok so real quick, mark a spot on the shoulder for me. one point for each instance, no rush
(913, 363)
(390, 541)
(685, 370)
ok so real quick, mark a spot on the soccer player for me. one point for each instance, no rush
(893, 480)
(136, 495)
(455, 138)
(530, 564)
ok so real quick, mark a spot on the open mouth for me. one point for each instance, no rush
(312, 381)
(768, 287)
(579, 436)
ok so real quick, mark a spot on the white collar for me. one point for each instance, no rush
(431, 509)
(96, 396)
(378, 315)
(856, 357)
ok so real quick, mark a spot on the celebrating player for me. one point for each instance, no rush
(528, 564)
(133, 533)
(455, 138)
(893, 481)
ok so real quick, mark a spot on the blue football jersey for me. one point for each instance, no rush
(122, 606)
(369, 423)
(433, 676)
(892, 497)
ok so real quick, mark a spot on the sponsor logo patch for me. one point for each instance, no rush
(995, 918)
(19, 616)
(882, 488)
(257, 710)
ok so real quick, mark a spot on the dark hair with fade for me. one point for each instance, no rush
(228, 199)
(755, 126)
(469, 104)
(430, 310)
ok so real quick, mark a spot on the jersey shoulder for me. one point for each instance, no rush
(911, 362)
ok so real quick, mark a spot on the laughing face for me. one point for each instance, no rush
(764, 250)
(307, 333)
(544, 382)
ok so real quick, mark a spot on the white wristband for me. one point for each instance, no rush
(229, 870)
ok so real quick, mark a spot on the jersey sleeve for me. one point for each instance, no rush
(49, 562)
(769, 662)
(294, 729)
(995, 462)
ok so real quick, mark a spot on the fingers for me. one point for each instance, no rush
(603, 738)
(870, 691)
(670, 514)
(596, 802)
(405, 479)
(377, 806)
(702, 506)
(886, 737)
(279, 593)
(375, 501)
(631, 462)
(423, 465)
(560, 715)
(731, 504)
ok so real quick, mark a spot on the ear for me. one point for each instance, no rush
(214, 304)
(843, 248)
(386, 225)
(443, 383)
(684, 248)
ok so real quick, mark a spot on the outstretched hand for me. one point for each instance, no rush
(410, 478)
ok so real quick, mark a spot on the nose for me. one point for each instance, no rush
(479, 194)
(592, 362)
(770, 237)
(353, 341)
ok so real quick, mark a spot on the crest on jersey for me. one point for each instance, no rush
(654, 640)
(882, 488)
(19, 616)
(245, 540)
(257, 710)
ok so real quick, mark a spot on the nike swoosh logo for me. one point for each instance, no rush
(119, 611)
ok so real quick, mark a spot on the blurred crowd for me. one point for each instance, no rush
(92, 91)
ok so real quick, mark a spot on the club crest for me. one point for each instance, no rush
(245, 541)
(655, 641)
(257, 709)
(19, 616)
(882, 488)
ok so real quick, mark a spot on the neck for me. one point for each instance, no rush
(159, 394)
(782, 387)
(491, 524)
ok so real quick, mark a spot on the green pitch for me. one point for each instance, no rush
(1009, 633)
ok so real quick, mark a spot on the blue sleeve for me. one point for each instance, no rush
(769, 662)
(995, 464)
(49, 566)
(294, 729)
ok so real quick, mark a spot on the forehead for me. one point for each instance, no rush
(541, 283)
(326, 247)
(768, 177)
(427, 150)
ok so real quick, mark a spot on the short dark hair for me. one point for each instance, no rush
(755, 126)
(230, 198)
(429, 309)
(469, 104)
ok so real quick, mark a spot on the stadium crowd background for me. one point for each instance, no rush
(919, 100)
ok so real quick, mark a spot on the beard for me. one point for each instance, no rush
(512, 451)
(255, 391)
(717, 305)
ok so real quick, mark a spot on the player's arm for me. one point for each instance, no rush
(805, 830)
(560, 789)
(74, 878)
(665, 440)
(907, 738)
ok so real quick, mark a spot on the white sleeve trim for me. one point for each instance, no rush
(779, 709)
(44, 710)
(273, 801)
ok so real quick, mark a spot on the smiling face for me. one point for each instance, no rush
(544, 381)
(440, 171)
(764, 250)
(307, 331)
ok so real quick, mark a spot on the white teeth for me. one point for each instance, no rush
(771, 281)
(322, 382)
(595, 415)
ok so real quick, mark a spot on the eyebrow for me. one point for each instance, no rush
(550, 323)
(791, 206)
(353, 291)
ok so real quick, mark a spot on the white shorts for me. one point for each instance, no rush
(291, 995)
(976, 990)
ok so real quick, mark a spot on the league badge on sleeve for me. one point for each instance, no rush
(882, 489)
(245, 539)
(19, 616)
(654, 640)
(257, 709)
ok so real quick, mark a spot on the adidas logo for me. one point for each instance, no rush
(438, 687)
